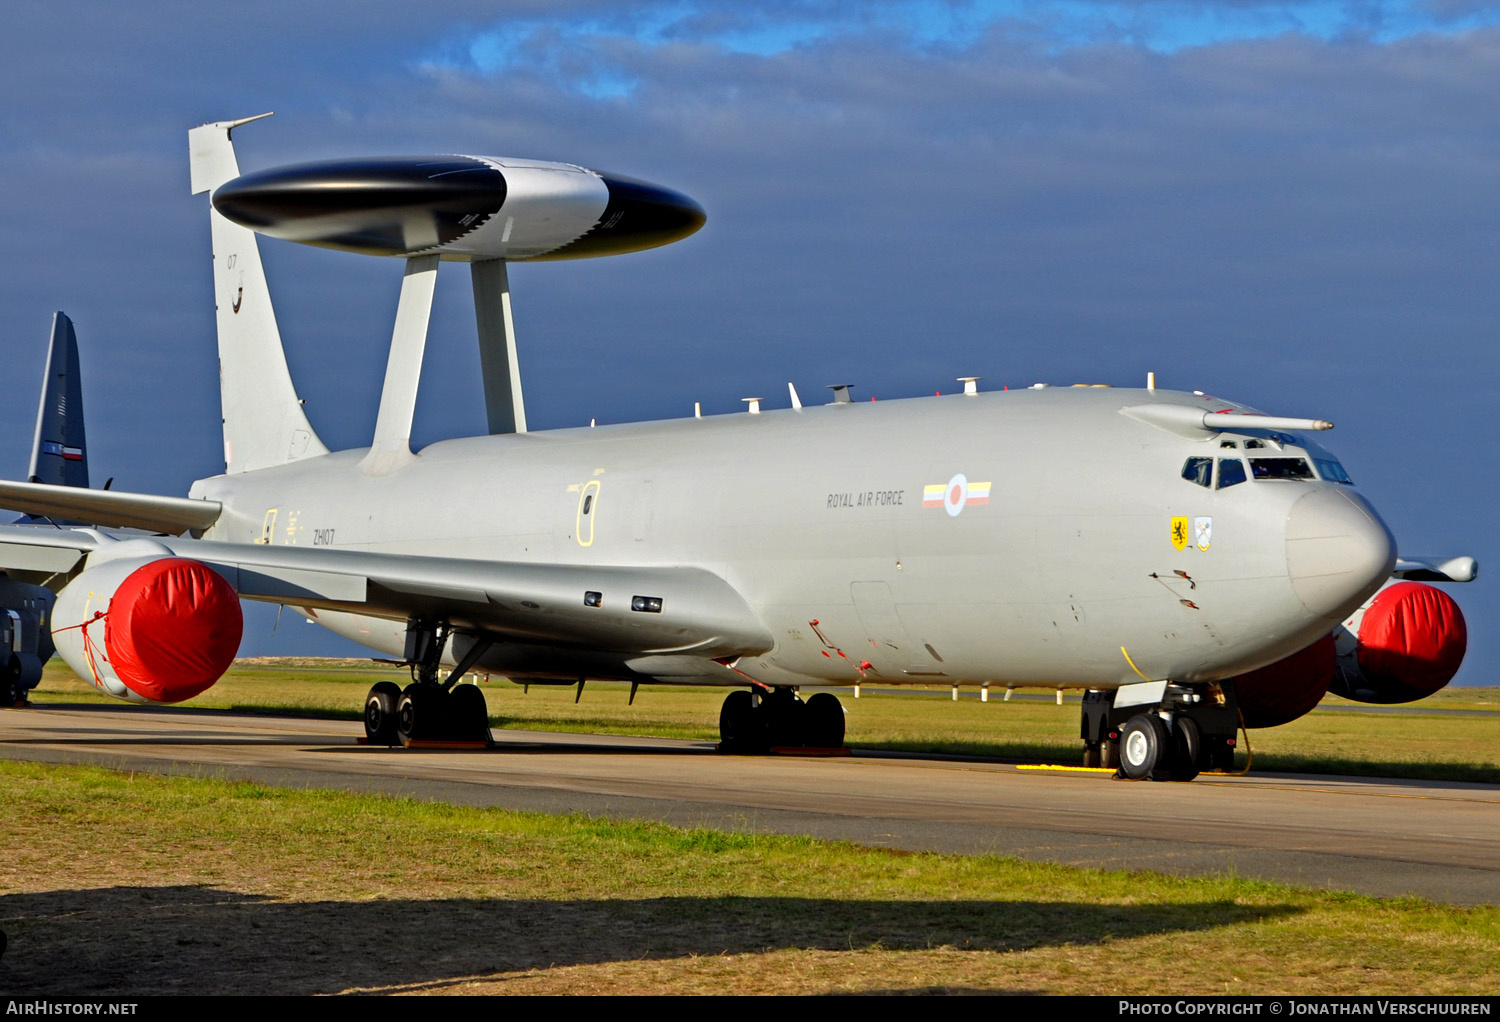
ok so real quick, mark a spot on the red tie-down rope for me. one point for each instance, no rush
(89, 646)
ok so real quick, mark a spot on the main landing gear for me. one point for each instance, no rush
(1180, 733)
(760, 720)
(429, 710)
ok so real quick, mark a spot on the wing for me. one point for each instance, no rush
(672, 620)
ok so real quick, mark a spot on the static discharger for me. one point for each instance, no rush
(971, 384)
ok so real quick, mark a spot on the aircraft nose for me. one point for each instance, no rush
(1338, 551)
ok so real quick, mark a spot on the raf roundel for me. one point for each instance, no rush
(956, 495)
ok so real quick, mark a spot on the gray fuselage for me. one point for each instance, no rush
(1091, 561)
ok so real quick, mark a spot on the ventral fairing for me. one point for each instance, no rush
(1207, 567)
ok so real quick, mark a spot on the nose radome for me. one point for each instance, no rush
(1338, 551)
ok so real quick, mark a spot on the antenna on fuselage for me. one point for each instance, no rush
(477, 209)
(841, 393)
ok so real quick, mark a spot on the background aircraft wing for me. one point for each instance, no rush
(147, 511)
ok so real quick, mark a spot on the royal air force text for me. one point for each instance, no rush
(866, 498)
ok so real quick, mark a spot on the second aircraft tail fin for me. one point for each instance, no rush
(59, 454)
(264, 424)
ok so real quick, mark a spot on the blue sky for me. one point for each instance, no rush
(1291, 204)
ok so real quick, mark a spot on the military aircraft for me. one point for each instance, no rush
(1194, 566)
(59, 455)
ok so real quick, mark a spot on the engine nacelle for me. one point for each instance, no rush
(1292, 686)
(150, 629)
(1404, 644)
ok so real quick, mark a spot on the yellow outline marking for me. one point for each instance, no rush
(1134, 668)
(583, 495)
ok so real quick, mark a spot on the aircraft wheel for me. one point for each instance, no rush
(740, 723)
(469, 716)
(1187, 742)
(380, 713)
(1144, 746)
(825, 721)
(785, 716)
(420, 714)
(13, 683)
(1109, 754)
(1092, 757)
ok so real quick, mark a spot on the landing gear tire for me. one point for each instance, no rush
(12, 683)
(421, 714)
(1144, 746)
(740, 724)
(1109, 754)
(1092, 756)
(785, 716)
(824, 719)
(1187, 749)
(381, 713)
(468, 716)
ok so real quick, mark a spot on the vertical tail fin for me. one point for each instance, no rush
(58, 453)
(264, 424)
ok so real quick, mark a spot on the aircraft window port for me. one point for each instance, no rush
(593, 599)
(1230, 443)
(646, 604)
(1199, 470)
(1280, 468)
(1332, 471)
(1231, 472)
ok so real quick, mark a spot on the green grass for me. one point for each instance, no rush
(119, 884)
(1411, 744)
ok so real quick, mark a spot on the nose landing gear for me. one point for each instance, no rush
(1188, 730)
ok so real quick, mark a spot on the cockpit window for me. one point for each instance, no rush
(1280, 468)
(1229, 443)
(1231, 471)
(1332, 471)
(1255, 443)
(1199, 470)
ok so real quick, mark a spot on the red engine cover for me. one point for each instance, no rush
(173, 628)
(1412, 640)
(1285, 690)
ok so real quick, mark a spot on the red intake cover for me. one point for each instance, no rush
(1413, 636)
(1285, 690)
(172, 629)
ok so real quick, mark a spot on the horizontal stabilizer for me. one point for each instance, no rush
(172, 515)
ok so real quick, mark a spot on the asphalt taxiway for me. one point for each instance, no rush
(1378, 836)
